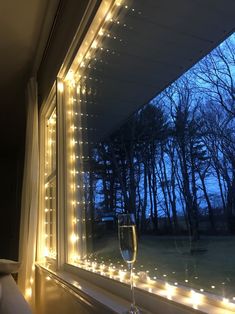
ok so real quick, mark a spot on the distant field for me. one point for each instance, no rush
(211, 266)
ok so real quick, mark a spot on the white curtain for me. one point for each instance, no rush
(29, 200)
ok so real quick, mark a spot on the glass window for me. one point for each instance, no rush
(49, 208)
(172, 163)
(78, 233)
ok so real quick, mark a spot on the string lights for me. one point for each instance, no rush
(50, 187)
(75, 92)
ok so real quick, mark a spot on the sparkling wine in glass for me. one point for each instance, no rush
(128, 248)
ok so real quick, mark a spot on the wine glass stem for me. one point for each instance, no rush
(132, 286)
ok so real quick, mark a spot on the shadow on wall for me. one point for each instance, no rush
(11, 170)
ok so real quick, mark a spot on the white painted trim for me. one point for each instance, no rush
(46, 110)
(115, 294)
(61, 180)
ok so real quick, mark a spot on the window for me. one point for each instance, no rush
(48, 180)
(78, 233)
(171, 163)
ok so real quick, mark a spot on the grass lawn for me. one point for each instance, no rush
(211, 267)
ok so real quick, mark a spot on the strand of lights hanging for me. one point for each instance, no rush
(75, 176)
(74, 149)
(77, 73)
(49, 191)
(92, 43)
(172, 291)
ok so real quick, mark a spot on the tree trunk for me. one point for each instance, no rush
(210, 210)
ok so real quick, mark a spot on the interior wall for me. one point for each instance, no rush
(11, 169)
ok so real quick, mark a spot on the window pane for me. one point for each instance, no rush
(76, 207)
(171, 163)
(50, 218)
(50, 185)
(50, 151)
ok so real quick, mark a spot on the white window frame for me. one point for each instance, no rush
(48, 106)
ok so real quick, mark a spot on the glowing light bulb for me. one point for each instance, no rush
(60, 87)
(70, 76)
(121, 274)
(94, 44)
(225, 301)
(88, 55)
(108, 17)
(74, 238)
(170, 291)
(46, 252)
(196, 299)
(118, 3)
(28, 292)
(101, 32)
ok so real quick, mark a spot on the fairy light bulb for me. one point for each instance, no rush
(225, 301)
(46, 252)
(118, 3)
(94, 45)
(108, 17)
(28, 292)
(74, 238)
(60, 87)
(70, 75)
(170, 291)
(195, 298)
(101, 32)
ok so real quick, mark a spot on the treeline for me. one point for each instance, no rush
(174, 160)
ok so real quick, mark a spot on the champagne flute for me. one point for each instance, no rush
(128, 248)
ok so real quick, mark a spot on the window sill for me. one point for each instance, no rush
(112, 294)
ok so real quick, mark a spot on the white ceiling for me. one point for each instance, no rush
(24, 29)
